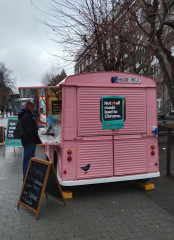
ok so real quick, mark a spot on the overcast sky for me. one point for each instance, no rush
(25, 44)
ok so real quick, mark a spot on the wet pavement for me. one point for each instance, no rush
(117, 211)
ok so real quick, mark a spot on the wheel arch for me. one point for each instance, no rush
(57, 160)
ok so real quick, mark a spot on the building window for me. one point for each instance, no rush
(139, 14)
(156, 71)
(95, 55)
(108, 44)
(80, 68)
(127, 70)
(172, 16)
(83, 67)
(90, 60)
(158, 103)
(87, 62)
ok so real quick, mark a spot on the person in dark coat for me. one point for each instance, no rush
(30, 138)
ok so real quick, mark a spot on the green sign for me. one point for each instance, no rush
(112, 112)
(10, 139)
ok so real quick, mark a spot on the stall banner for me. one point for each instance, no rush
(11, 127)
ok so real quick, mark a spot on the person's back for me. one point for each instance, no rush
(29, 126)
(30, 137)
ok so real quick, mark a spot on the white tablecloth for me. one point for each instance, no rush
(49, 139)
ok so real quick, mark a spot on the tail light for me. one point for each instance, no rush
(69, 158)
(69, 151)
(152, 153)
(153, 150)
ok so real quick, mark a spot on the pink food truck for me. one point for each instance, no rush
(99, 127)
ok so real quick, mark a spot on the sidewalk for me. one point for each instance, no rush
(117, 211)
(3, 121)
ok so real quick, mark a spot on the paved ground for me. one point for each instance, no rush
(106, 211)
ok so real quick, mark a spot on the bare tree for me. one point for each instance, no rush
(7, 83)
(48, 76)
(52, 78)
(96, 27)
(155, 21)
(6, 76)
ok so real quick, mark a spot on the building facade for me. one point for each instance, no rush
(88, 59)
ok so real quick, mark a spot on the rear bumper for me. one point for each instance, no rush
(109, 179)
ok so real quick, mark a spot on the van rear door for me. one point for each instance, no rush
(109, 152)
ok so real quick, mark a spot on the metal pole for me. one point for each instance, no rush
(168, 150)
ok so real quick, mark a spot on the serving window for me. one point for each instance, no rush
(48, 101)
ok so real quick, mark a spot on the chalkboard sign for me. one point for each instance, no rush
(11, 127)
(35, 182)
(2, 135)
(56, 107)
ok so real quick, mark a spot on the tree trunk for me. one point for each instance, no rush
(166, 77)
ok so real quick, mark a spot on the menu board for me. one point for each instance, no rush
(112, 109)
(56, 107)
(35, 182)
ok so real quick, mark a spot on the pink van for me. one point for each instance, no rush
(104, 128)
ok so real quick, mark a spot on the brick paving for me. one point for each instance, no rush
(117, 211)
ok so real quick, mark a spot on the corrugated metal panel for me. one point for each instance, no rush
(99, 154)
(89, 123)
(130, 156)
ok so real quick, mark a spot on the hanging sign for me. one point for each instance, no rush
(112, 112)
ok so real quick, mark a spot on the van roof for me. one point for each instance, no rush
(100, 79)
(104, 79)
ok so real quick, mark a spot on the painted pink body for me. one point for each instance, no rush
(124, 154)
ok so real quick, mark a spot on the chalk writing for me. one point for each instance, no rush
(27, 200)
(34, 184)
(11, 128)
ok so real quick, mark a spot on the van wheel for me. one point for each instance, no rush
(55, 161)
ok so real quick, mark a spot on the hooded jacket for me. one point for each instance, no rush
(29, 126)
